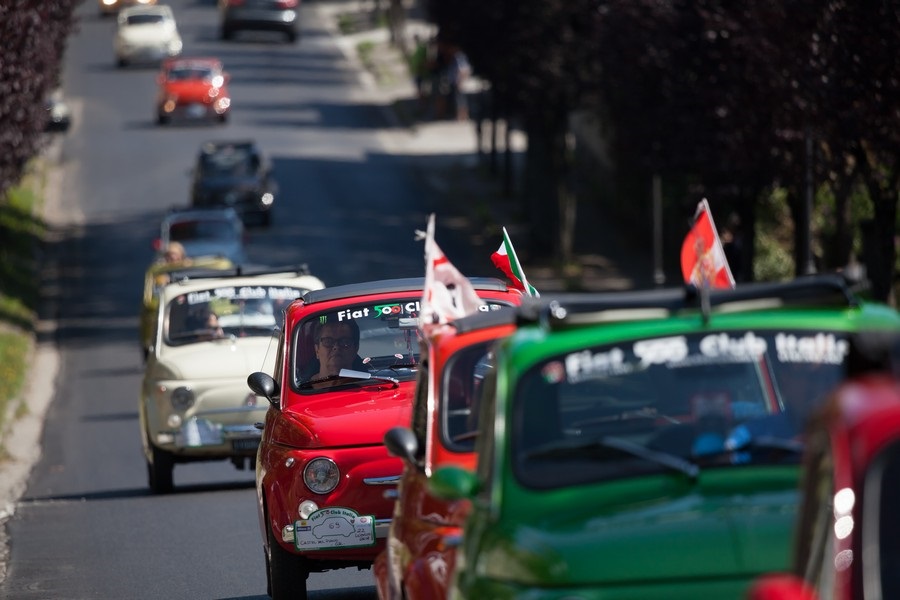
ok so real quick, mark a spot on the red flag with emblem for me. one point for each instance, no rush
(703, 261)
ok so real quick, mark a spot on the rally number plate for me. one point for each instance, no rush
(334, 528)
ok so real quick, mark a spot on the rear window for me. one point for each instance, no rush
(145, 19)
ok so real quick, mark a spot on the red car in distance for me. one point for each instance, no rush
(192, 89)
(847, 539)
(417, 563)
(325, 482)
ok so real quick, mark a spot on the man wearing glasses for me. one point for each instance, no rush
(336, 344)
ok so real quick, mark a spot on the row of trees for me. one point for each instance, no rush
(720, 99)
(34, 35)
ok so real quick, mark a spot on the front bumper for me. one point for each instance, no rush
(147, 53)
(222, 433)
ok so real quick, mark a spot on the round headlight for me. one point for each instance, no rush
(182, 398)
(321, 475)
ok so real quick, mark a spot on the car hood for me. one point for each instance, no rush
(356, 417)
(197, 91)
(725, 527)
(220, 359)
(219, 184)
(147, 34)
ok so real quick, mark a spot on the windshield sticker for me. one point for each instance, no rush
(721, 345)
(661, 351)
(822, 348)
(243, 293)
(585, 365)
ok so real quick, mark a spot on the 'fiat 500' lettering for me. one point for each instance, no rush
(661, 351)
(384, 310)
(581, 365)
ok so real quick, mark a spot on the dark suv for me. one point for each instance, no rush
(259, 15)
(235, 174)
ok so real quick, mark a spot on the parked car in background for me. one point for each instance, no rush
(259, 15)
(647, 444)
(111, 7)
(235, 173)
(457, 359)
(210, 332)
(59, 115)
(146, 34)
(217, 232)
(344, 374)
(192, 89)
(847, 534)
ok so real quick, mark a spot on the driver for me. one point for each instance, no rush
(336, 344)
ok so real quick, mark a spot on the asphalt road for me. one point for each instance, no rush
(86, 526)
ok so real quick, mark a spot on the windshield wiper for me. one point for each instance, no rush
(568, 450)
(352, 375)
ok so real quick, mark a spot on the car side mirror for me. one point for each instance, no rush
(401, 442)
(262, 384)
(453, 483)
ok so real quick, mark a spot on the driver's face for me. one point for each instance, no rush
(335, 348)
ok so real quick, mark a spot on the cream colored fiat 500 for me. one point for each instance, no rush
(211, 330)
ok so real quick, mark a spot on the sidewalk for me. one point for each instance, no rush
(446, 154)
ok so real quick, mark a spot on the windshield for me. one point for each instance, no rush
(235, 161)
(189, 73)
(224, 311)
(639, 407)
(209, 229)
(145, 19)
(377, 339)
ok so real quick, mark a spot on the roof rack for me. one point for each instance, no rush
(195, 273)
(580, 309)
(408, 284)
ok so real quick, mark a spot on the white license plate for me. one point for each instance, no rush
(334, 527)
(196, 110)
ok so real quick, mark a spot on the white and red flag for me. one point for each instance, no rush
(703, 261)
(506, 260)
(448, 294)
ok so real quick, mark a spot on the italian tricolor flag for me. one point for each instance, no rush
(506, 260)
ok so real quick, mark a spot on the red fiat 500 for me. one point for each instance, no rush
(192, 89)
(345, 373)
(417, 563)
(847, 539)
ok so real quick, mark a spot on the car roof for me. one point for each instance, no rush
(387, 286)
(200, 214)
(211, 146)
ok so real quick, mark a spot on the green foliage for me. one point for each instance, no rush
(773, 258)
(15, 352)
(21, 232)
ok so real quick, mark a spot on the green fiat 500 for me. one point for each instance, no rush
(646, 445)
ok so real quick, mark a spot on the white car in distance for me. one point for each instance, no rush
(146, 34)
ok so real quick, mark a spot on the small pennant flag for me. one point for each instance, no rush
(703, 261)
(506, 260)
(448, 294)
